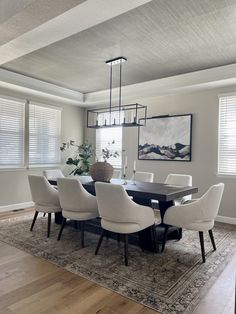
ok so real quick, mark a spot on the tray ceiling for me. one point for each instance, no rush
(161, 38)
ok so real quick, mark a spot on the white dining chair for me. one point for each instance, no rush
(197, 215)
(53, 174)
(176, 179)
(121, 215)
(76, 203)
(143, 176)
(116, 174)
(180, 179)
(45, 197)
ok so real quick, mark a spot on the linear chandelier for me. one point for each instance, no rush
(130, 115)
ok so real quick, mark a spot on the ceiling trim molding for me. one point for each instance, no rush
(194, 81)
(24, 84)
(73, 21)
(199, 80)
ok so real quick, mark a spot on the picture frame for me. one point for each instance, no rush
(166, 138)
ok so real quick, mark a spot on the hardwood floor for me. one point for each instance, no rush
(31, 285)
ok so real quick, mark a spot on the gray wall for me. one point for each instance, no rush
(14, 188)
(204, 107)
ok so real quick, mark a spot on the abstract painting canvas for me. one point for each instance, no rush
(166, 138)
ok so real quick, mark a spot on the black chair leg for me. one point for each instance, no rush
(62, 227)
(99, 242)
(82, 233)
(49, 224)
(34, 219)
(164, 238)
(44, 214)
(126, 249)
(202, 246)
(212, 239)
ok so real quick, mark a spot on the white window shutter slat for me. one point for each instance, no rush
(12, 125)
(227, 136)
(44, 135)
(107, 135)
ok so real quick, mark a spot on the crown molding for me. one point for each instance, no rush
(194, 81)
(31, 87)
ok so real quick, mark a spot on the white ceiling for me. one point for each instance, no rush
(160, 38)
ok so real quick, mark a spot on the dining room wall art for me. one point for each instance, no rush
(166, 138)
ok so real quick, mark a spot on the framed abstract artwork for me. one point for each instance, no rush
(166, 138)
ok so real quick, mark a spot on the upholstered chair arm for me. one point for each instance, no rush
(184, 214)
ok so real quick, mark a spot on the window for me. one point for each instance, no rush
(107, 135)
(227, 135)
(12, 116)
(44, 135)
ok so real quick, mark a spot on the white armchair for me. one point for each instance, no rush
(53, 174)
(76, 203)
(197, 215)
(120, 214)
(45, 198)
(143, 176)
(180, 179)
(176, 179)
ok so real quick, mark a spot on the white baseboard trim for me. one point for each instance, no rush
(227, 220)
(10, 207)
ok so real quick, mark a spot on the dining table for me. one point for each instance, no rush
(144, 193)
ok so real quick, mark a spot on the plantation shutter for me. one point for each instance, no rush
(227, 136)
(12, 119)
(104, 136)
(44, 135)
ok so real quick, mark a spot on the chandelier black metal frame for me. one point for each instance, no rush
(130, 115)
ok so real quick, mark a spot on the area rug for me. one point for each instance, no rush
(171, 282)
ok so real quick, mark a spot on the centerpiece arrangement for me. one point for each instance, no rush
(103, 170)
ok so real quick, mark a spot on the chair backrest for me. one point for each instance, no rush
(42, 192)
(73, 195)
(209, 203)
(143, 176)
(180, 179)
(114, 203)
(116, 174)
(53, 174)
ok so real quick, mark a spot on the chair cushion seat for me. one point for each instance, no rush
(196, 225)
(47, 208)
(124, 227)
(79, 215)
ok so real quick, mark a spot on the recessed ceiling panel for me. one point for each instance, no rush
(20, 16)
(159, 39)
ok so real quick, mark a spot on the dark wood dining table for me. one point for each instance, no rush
(143, 193)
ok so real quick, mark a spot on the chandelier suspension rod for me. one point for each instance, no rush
(120, 90)
(110, 91)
